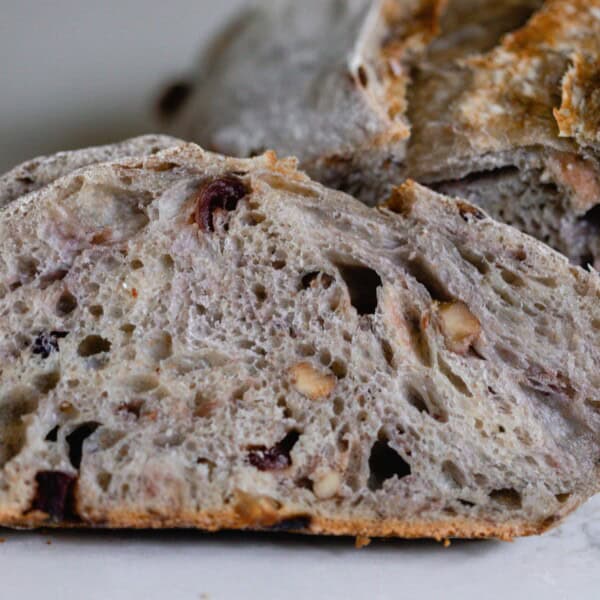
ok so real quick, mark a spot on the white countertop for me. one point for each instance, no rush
(564, 564)
(79, 73)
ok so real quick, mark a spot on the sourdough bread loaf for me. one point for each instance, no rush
(188, 340)
(494, 101)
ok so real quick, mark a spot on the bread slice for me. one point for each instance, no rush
(494, 101)
(189, 340)
(43, 170)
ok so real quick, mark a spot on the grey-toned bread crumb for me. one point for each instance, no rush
(190, 340)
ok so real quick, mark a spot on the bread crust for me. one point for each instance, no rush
(224, 520)
(277, 186)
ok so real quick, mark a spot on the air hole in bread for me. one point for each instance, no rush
(507, 356)
(277, 457)
(103, 479)
(96, 310)
(453, 378)
(47, 279)
(20, 307)
(549, 282)
(388, 353)
(339, 368)
(92, 345)
(453, 474)
(425, 275)
(562, 498)
(282, 403)
(306, 349)
(325, 358)
(385, 463)
(415, 399)
(338, 406)
(593, 404)
(362, 283)
(160, 346)
(28, 268)
(52, 435)
(14, 405)
(592, 217)
(204, 406)
(505, 296)
(66, 303)
(466, 503)
(512, 278)
(255, 218)
(508, 497)
(167, 262)
(363, 78)
(142, 383)
(76, 439)
(127, 328)
(523, 436)
(260, 291)
(474, 259)
(316, 279)
(46, 382)
(133, 407)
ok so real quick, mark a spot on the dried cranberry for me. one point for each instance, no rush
(46, 343)
(54, 494)
(174, 98)
(275, 458)
(218, 194)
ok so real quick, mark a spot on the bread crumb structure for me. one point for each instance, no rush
(190, 340)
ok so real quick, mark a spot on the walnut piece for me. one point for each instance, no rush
(327, 484)
(459, 326)
(311, 382)
(256, 510)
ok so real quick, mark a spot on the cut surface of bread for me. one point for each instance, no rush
(497, 101)
(194, 341)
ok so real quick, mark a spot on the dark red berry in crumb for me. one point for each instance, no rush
(46, 343)
(173, 98)
(223, 193)
(275, 458)
(54, 494)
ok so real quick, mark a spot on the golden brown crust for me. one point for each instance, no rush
(509, 97)
(579, 113)
(229, 519)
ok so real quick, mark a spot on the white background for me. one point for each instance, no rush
(75, 73)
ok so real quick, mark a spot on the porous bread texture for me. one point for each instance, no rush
(479, 87)
(304, 363)
(38, 172)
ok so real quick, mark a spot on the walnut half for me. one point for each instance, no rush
(311, 382)
(460, 327)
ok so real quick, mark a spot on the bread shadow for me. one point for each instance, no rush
(221, 541)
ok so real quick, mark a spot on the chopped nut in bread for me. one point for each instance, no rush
(311, 382)
(459, 325)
